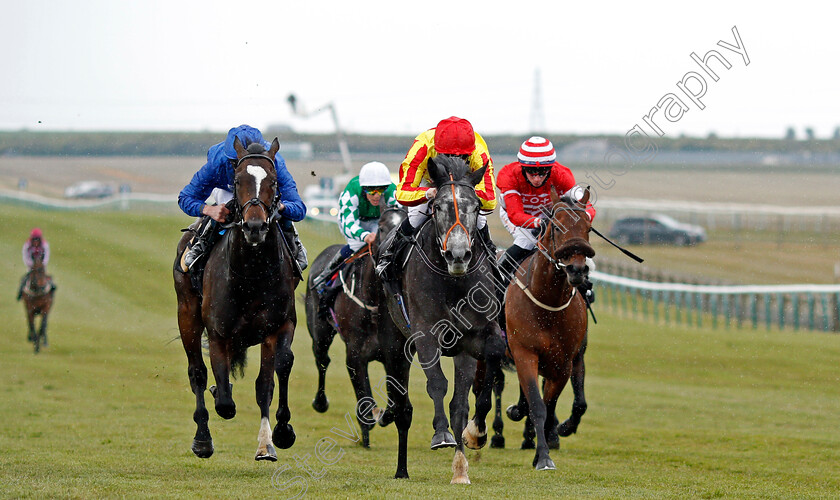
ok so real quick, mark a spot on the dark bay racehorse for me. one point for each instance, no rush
(369, 334)
(546, 317)
(38, 294)
(449, 296)
(248, 299)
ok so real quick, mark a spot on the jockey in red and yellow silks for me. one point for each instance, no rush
(413, 171)
(452, 136)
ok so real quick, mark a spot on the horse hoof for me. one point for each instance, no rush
(202, 449)
(321, 404)
(387, 418)
(472, 437)
(545, 464)
(270, 454)
(226, 411)
(497, 441)
(553, 442)
(401, 474)
(443, 439)
(283, 436)
(527, 444)
(566, 429)
(513, 413)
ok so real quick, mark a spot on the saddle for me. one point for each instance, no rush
(49, 286)
(334, 286)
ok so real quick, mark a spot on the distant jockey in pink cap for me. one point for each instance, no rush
(35, 246)
(525, 186)
(452, 136)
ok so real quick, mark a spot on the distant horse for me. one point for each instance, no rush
(450, 302)
(38, 295)
(248, 299)
(546, 317)
(360, 318)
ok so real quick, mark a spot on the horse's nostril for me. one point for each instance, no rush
(447, 254)
(467, 256)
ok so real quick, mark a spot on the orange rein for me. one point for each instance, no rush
(457, 218)
(358, 256)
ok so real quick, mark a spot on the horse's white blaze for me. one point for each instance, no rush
(259, 174)
(265, 433)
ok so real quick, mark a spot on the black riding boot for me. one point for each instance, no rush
(22, 284)
(507, 265)
(299, 251)
(488, 242)
(202, 243)
(391, 247)
(319, 281)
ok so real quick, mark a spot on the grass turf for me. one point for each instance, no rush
(105, 410)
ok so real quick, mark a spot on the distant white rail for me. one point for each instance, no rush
(797, 306)
(80, 204)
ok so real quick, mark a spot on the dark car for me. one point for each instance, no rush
(654, 229)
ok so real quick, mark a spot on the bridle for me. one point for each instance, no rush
(452, 183)
(270, 210)
(549, 253)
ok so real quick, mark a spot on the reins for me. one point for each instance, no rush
(549, 256)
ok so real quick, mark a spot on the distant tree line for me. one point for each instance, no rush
(31, 143)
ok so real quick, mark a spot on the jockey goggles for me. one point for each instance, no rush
(374, 190)
(536, 169)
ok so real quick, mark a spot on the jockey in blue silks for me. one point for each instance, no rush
(216, 178)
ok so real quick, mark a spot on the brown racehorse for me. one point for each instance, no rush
(38, 294)
(247, 299)
(546, 317)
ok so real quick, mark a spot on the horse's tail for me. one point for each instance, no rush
(238, 361)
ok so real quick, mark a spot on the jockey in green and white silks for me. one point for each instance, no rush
(357, 216)
(358, 212)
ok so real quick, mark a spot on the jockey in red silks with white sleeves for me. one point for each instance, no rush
(525, 186)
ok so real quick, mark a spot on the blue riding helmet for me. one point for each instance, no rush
(246, 134)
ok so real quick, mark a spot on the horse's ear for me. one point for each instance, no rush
(436, 172)
(237, 146)
(585, 199)
(555, 198)
(475, 177)
(383, 203)
(275, 147)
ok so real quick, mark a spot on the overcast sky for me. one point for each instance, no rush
(399, 67)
